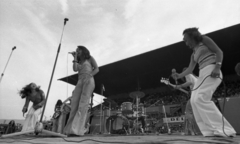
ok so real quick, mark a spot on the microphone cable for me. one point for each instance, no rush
(224, 99)
(67, 76)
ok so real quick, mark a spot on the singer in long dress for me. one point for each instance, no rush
(87, 67)
(209, 58)
(32, 93)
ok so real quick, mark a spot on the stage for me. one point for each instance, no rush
(121, 139)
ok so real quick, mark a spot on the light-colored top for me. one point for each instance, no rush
(203, 56)
(191, 78)
(85, 68)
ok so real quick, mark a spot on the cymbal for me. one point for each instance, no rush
(110, 101)
(110, 105)
(137, 94)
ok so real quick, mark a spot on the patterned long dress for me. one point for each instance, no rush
(80, 100)
(209, 119)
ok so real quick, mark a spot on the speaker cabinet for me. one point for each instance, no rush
(95, 125)
(231, 111)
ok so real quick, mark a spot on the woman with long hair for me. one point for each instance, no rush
(32, 93)
(86, 67)
(209, 58)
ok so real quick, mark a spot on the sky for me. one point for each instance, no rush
(111, 29)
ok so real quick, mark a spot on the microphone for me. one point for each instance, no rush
(173, 72)
(14, 48)
(65, 20)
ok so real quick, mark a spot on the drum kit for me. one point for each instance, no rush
(130, 119)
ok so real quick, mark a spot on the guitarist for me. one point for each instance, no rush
(62, 110)
(191, 127)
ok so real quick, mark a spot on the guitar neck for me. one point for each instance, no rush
(179, 89)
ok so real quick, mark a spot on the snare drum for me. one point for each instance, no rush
(127, 108)
(117, 124)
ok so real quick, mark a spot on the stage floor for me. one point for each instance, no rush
(121, 139)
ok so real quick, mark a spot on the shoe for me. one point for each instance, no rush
(218, 134)
(207, 133)
(73, 135)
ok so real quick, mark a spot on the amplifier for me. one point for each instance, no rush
(231, 111)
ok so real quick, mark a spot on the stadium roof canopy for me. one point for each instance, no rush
(145, 70)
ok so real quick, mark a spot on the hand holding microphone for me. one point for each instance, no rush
(73, 53)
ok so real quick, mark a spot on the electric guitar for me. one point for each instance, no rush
(166, 81)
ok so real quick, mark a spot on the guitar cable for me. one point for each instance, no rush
(224, 99)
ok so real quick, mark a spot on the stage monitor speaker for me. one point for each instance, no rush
(231, 111)
(95, 125)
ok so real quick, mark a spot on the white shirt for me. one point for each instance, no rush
(191, 78)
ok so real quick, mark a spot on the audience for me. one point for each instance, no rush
(169, 97)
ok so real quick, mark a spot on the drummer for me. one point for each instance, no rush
(141, 114)
(140, 111)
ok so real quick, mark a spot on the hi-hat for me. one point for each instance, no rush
(136, 94)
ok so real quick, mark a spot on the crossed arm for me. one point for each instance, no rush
(42, 103)
(184, 85)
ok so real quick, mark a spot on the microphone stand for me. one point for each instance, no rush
(169, 130)
(101, 113)
(91, 113)
(7, 63)
(39, 126)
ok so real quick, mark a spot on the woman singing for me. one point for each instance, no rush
(209, 58)
(87, 67)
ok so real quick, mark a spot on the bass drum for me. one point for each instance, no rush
(117, 124)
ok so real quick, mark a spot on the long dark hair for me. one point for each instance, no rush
(194, 34)
(58, 104)
(25, 91)
(85, 53)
